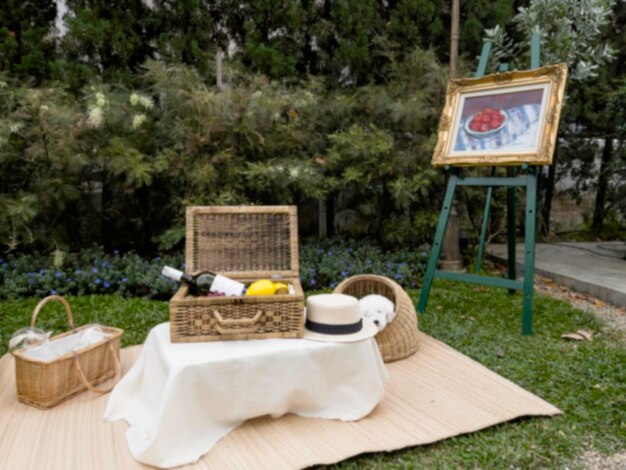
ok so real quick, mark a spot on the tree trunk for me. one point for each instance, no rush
(454, 38)
(451, 248)
(550, 183)
(330, 215)
(218, 69)
(322, 217)
(603, 184)
(105, 203)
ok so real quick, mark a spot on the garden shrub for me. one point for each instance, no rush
(117, 167)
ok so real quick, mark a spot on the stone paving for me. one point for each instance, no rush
(595, 268)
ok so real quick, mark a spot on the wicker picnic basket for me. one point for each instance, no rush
(245, 243)
(45, 384)
(400, 338)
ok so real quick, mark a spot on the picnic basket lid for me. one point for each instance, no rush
(242, 241)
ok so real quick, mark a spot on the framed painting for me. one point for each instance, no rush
(508, 118)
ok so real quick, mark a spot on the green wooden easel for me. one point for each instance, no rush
(513, 179)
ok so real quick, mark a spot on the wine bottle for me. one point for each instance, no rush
(205, 282)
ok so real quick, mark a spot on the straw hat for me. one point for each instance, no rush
(336, 318)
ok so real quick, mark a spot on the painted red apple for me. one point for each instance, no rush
(486, 122)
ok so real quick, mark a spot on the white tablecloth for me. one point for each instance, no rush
(180, 399)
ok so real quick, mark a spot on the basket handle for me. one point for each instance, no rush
(50, 298)
(118, 372)
(223, 326)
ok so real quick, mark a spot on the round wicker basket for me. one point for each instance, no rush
(400, 338)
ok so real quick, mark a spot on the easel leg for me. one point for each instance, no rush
(511, 230)
(437, 242)
(529, 252)
(483, 229)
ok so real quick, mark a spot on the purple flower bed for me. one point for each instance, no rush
(322, 266)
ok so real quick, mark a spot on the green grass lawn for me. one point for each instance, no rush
(586, 380)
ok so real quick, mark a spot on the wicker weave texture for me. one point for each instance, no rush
(223, 318)
(44, 384)
(245, 243)
(400, 338)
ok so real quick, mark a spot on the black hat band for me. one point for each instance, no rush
(328, 329)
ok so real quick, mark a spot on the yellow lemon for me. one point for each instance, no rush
(261, 287)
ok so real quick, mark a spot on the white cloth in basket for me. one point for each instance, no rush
(50, 350)
(180, 399)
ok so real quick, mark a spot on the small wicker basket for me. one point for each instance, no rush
(400, 338)
(44, 384)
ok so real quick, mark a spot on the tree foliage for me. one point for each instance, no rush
(26, 37)
(104, 39)
(125, 163)
(572, 31)
(119, 114)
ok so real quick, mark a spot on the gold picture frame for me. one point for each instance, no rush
(508, 118)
